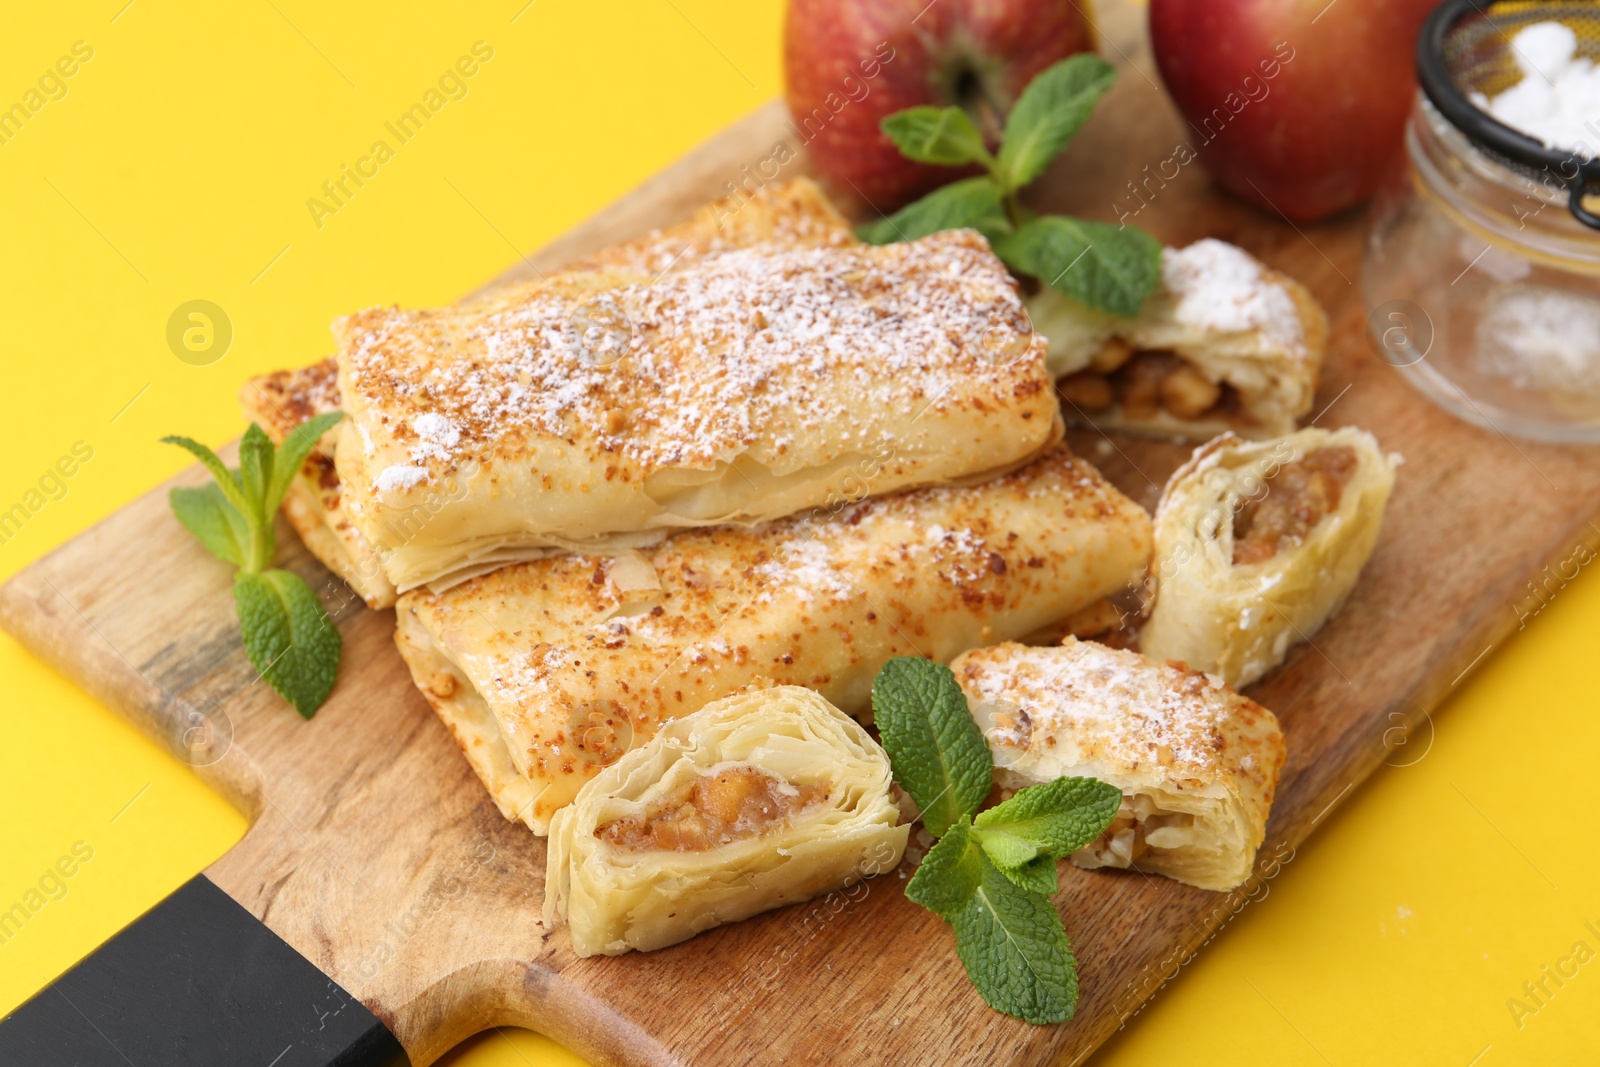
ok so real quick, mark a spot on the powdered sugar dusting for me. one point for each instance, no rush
(749, 350)
(1085, 702)
(1220, 287)
(1558, 99)
(400, 476)
(437, 436)
(805, 567)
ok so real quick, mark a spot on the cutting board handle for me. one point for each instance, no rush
(197, 980)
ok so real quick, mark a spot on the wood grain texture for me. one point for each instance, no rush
(375, 852)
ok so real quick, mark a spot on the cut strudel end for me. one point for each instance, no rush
(1259, 543)
(794, 214)
(1223, 344)
(548, 670)
(600, 410)
(761, 799)
(1196, 762)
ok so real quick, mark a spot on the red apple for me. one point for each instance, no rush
(848, 63)
(1297, 105)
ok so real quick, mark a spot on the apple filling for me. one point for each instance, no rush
(734, 802)
(1139, 828)
(1145, 383)
(1299, 495)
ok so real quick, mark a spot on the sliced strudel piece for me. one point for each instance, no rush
(547, 671)
(1259, 543)
(600, 410)
(1196, 762)
(758, 800)
(1223, 344)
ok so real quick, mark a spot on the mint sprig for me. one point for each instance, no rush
(290, 640)
(1108, 268)
(989, 877)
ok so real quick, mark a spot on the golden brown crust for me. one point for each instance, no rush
(794, 214)
(572, 642)
(283, 399)
(791, 213)
(743, 388)
(1179, 738)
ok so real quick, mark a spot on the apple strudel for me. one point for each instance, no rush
(791, 214)
(1223, 344)
(1259, 543)
(1197, 763)
(599, 410)
(760, 799)
(547, 671)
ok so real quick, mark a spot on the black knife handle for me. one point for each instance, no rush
(197, 981)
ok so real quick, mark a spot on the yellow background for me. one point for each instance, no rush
(178, 166)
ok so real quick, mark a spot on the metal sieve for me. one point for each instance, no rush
(1465, 46)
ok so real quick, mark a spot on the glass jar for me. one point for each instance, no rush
(1483, 288)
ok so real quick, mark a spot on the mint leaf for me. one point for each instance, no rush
(293, 452)
(1038, 875)
(287, 636)
(935, 750)
(949, 874)
(971, 202)
(206, 513)
(1006, 850)
(229, 482)
(255, 468)
(942, 135)
(1055, 818)
(1098, 265)
(1015, 950)
(1053, 107)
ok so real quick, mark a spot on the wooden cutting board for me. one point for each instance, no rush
(375, 852)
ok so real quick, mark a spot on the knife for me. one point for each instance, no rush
(197, 981)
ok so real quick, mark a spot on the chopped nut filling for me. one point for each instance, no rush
(1138, 828)
(738, 802)
(1145, 383)
(1299, 495)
